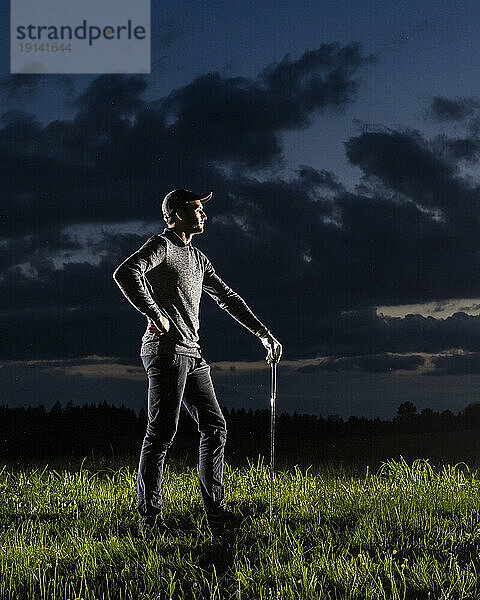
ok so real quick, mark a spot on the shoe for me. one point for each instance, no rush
(155, 527)
(220, 516)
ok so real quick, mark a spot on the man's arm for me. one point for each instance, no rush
(236, 307)
(129, 277)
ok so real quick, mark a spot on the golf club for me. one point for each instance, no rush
(273, 397)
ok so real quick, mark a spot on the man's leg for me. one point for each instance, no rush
(166, 382)
(202, 404)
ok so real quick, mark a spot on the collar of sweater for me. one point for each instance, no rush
(174, 237)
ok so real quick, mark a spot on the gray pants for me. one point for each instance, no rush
(173, 378)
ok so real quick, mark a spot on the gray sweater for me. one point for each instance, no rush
(166, 277)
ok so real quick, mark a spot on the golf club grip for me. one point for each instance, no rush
(273, 381)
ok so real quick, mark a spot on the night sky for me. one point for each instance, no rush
(341, 143)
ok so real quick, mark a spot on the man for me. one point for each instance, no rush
(164, 280)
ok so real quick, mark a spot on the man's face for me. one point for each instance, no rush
(193, 217)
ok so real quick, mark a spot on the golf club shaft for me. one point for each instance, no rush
(273, 397)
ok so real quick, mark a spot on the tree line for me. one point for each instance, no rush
(103, 428)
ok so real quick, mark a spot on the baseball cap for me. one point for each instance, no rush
(177, 198)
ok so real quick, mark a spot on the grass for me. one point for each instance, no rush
(405, 531)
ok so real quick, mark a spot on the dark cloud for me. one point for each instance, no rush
(34, 248)
(306, 333)
(119, 153)
(242, 119)
(446, 109)
(74, 284)
(70, 332)
(107, 100)
(18, 85)
(44, 284)
(77, 362)
(113, 328)
(349, 252)
(461, 111)
(365, 332)
(466, 149)
(379, 363)
(385, 363)
(322, 181)
(456, 364)
(404, 162)
(435, 241)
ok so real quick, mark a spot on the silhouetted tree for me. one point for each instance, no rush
(406, 413)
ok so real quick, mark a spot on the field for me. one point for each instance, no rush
(404, 530)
